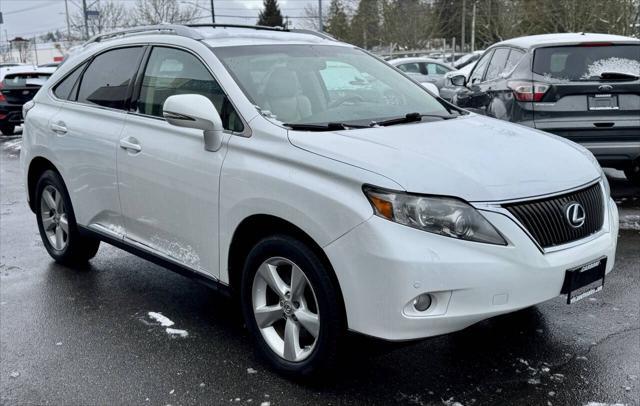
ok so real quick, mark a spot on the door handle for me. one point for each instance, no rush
(130, 144)
(59, 128)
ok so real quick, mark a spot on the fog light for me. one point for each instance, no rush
(422, 302)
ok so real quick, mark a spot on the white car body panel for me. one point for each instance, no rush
(193, 200)
(471, 157)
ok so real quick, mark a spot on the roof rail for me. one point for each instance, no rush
(320, 34)
(189, 31)
(181, 30)
(253, 27)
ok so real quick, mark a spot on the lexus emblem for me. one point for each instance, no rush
(605, 88)
(575, 215)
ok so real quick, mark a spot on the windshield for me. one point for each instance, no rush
(580, 63)
(319, 84)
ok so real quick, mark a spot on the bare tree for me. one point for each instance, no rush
(111, 15)
(165, 11)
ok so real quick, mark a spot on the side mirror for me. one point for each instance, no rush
(195, 111)
(458, 80)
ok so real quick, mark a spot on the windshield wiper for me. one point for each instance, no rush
(323, 127)
(617, 76)
(409, 118)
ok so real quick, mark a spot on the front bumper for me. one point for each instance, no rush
(381, 266)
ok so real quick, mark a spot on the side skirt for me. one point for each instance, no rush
(159, 260)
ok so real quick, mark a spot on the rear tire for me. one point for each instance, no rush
(301, 334)
(633, 173)
(7, 129)
(57, 223)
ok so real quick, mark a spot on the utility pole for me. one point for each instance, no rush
(473, 28)
(86, 23)
(213, 13)
(320, 27)
(462, 33)
(66, 10)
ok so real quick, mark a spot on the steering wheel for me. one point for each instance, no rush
(345, 99)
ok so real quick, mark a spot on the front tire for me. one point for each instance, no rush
(57, 223)
(291, 306)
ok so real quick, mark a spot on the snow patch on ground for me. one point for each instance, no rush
(629, 221)
(162, 319)
(12, 146)
(177, 332)
(604, 404)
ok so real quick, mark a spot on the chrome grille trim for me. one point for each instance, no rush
(544, 218)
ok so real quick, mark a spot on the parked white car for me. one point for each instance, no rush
(425, 70)
(241, 157)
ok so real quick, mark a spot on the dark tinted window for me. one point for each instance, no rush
(106, 80)
(64, 89)
(478, 70)
(25, 79)
(586, 62)
(514, 58)
(497, 64)
(172, 71)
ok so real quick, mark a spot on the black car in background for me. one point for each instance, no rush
(584, 87)
(15, 90)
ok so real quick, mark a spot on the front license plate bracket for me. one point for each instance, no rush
(576, 279)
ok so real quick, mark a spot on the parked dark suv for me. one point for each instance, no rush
(15, 90)
(584, 87)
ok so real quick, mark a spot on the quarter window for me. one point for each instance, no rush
(106, 81)
(66, 89)
(172, 71)
(498, 62)
(514, 58)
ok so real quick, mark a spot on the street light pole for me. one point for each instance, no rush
(213, 13)
(320, 27)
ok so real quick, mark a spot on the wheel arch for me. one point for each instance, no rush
(37, 167)
(258, 226)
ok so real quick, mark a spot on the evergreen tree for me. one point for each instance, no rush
(366, 23)
(337, 21)
(270, 15)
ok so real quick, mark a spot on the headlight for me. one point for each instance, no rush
(439, 215)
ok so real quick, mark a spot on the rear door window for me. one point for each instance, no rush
(586, 62)
(107, 79)
(497, 64)
(410, 67)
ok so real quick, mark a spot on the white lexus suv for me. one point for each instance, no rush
(321, 185)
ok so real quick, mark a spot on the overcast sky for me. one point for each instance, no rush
(27, 18)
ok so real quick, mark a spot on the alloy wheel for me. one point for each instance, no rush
(54, 218)
(285, 309)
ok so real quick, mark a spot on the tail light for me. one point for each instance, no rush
(2, 98)
(528, 91)
(26, 107)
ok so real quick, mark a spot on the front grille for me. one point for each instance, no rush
(546, 219)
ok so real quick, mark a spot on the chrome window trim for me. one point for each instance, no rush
(245, 133)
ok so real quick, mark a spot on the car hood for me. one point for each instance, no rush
(472, 157)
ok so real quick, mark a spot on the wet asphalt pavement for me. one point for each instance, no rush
(83, 336)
